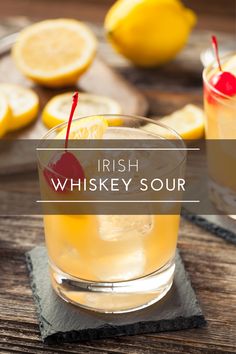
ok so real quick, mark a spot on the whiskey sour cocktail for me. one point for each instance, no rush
(220, 110)
(104, 262)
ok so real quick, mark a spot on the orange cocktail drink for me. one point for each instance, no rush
(220, 111)
(113, 263)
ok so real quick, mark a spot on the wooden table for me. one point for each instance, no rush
(210, 261)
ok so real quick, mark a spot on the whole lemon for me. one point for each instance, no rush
(149, 32)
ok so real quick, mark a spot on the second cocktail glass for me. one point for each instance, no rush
(220, 112)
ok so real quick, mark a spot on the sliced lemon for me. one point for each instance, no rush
(86, 128)
(230, 65)
(58, 108)
(55, 52)
(188, 122)
(5, 115)
(24, 104)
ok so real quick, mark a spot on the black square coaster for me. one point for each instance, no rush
(220, 225)
(63, 322)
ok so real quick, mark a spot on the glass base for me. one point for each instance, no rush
(223, 198)
(115, 297)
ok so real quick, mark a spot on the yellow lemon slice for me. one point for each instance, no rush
(55, 52)
(86, 128)
(58, 108)
(5, 115)
(230, 65)
(188, 122)
(24, 104)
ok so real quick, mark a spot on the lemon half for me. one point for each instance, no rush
(55, 52)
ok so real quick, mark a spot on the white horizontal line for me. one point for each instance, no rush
(117, 149)
(117, 201)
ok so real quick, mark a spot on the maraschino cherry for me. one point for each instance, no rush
(223, 81)
(65, 165)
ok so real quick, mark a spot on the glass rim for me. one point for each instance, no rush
(206, 81)
(148, 120)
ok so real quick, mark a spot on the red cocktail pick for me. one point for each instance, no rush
(65, 165)
(223, 81)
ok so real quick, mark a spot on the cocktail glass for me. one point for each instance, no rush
(220, 112)
(114, 263)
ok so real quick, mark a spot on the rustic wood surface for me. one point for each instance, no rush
(212, 14)
(113, 85)
(210, 261)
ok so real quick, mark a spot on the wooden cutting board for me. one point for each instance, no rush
(99, 79)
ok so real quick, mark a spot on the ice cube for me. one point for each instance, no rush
(124, 265)
(121, 227)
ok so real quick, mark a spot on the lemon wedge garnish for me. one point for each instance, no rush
(188, 122)
(5, 115)
(24, 104)
(58, 108)
(86, 128)
(55, 52)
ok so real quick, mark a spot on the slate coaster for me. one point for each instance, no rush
(62, 322)
(220, 225)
